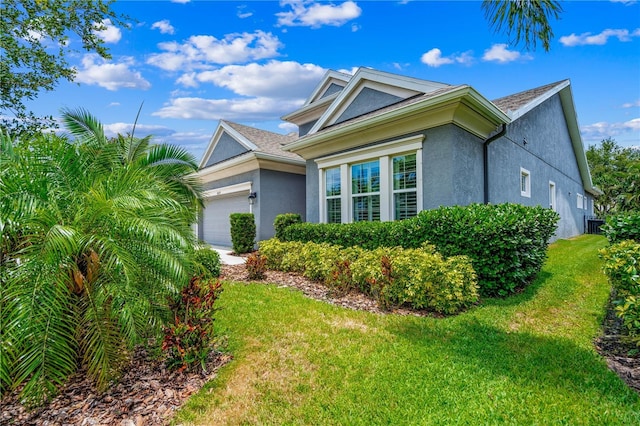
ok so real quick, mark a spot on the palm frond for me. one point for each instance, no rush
(84, 126)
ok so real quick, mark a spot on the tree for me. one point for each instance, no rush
(35, 40)
(526, 21)
(95, 236)
(616, 172)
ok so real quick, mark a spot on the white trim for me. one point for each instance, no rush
(410, 143)
(553, 198)
(527, 191)
(226, 190)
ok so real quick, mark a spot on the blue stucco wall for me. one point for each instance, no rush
(303, 129)
(279, 193)
(333, 88)
(366, 101)
(548, 155)
(227, 147)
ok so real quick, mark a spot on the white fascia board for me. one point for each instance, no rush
(226, 190)
(328, 76)
(239, 137)
(309, 112)
(388, 79)
(279, 159)
(467, 92)
(224, 127)
(244, 158)
(212, 143)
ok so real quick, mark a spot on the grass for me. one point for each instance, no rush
(527, 359)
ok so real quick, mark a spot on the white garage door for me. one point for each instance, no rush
(216, 229)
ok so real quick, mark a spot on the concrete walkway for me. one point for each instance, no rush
(226, 258)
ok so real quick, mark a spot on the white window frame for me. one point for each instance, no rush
(384, 153)
(526, 174)
(580, 201)
(585, 204)
(552, 196)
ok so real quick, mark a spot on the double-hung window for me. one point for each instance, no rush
(376, 183)
(525, 182)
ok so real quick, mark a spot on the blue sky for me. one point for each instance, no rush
(194, 62)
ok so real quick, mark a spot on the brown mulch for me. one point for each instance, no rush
(148, 394)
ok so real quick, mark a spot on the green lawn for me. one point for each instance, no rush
(528, 359)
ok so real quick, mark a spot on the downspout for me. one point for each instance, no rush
(485, 160)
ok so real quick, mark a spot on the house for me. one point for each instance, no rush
(380, 146)
(244, 170)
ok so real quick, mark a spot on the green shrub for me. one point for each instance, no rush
(421, 278)
(285, 220)
(243, 232)
(189, 339)
(622, 227)
(207, 262)
(507, 243)
(622, 266)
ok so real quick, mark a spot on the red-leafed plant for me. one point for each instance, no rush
(189, 340)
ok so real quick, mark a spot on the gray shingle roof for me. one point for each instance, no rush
(267, 142)
(518, 100)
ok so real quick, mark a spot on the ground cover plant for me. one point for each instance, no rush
(526, 359)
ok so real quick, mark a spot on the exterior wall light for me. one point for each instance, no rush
(252, 197)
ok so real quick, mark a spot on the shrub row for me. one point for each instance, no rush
(622, 227)
(622, 266)
(507, 243)
(419, 277)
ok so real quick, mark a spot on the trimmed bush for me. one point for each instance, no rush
(285, 220)
(507, 243)
(207, 262)
(622, 266)
(243, 232)
(622, 227)
(420, 278)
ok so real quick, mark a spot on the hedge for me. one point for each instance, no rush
(622, 227)
(507, 243)
(622, 266)
(421, 278)
(243, 232)
(285, 220)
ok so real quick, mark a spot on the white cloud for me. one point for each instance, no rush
(500, 53)
(631, 104)
(164, 26)
(258, 109)
(201, 51)
(355, 28)
(109, 33)
(352, 71)
(180, 1)
(307, 13)
(274, 79)
(141, 130)
(434, 58)
(243, 13)
(288, 127)
(625, 2)
(114, 104)
(111, 76)
(603, 129)
(598, 39)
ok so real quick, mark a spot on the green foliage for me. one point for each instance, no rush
(616, 172)
(525, 21)
(622, 266)
(622, 227)
(256, 266)
(506, 242)
(420, 278)
(28, 30)
(207, 262)
(243, 232)
(93, 241)
(188, 341)
(284, 220)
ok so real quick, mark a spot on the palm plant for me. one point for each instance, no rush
(526, 21)
(95, 236)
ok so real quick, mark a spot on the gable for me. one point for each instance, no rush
(333, 88)
(366, 101)
(226, 147)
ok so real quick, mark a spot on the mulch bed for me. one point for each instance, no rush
(148, 394)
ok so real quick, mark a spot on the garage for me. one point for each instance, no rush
(216, 229)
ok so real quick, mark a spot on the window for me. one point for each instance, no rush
(405, 196)
(374, 183)
(525, 183)
(365, 190)
(334, 202)
(552, 196)
(586, 203)
(580, 201)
